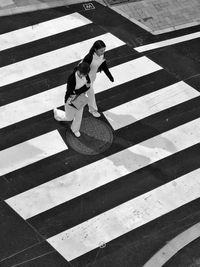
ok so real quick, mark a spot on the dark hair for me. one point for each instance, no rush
(83, 67)
(97, 45)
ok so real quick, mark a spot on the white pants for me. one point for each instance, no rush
(70, 114)
(91, 99)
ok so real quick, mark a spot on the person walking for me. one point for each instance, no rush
(78, 83)
(97, 61)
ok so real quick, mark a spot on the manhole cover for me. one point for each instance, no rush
(96, 137)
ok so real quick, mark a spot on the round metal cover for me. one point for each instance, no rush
(96, 137)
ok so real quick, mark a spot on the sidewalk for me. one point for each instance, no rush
(161, 16)
(154, 16)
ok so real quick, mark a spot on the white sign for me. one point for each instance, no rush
(88, 6)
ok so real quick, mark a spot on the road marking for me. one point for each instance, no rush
(149, 104)
(45, 101)
(54, 59)
(126, 72)
(87, 178)
(42, 30)
(168, 42)
(174, 246)
(31, 151)
(124, 218)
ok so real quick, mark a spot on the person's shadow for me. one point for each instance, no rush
(133, 157)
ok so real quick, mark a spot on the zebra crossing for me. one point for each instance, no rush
(145, 106)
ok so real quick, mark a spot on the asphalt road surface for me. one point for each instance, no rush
(130, 183)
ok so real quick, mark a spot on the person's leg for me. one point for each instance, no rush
(70, 114)
(91, 99)
(92, 102)
(74, 115)
(76, 124)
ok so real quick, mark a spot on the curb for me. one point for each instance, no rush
(140, 24)
(156, 32)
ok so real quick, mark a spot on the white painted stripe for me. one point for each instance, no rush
(45, 101)
(85, 179)
(42, 30)
(32, 106)
(126, 72)
(54, 59)
(149, 104)
(168, 42)
(124, 218)
(31, 151)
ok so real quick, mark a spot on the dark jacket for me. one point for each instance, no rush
(88, 58)
(71, 84)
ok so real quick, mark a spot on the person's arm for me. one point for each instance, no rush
(104, 67)
(81, 90)
(85, 87)
(88, 81)
(71, 83)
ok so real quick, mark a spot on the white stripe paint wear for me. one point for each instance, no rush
(45, 101)
(31, 151)
(54, 59)
(41, 30)
(126, 217)
(168, 42)
(124, 72)
(149, 104)
(85, 179)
